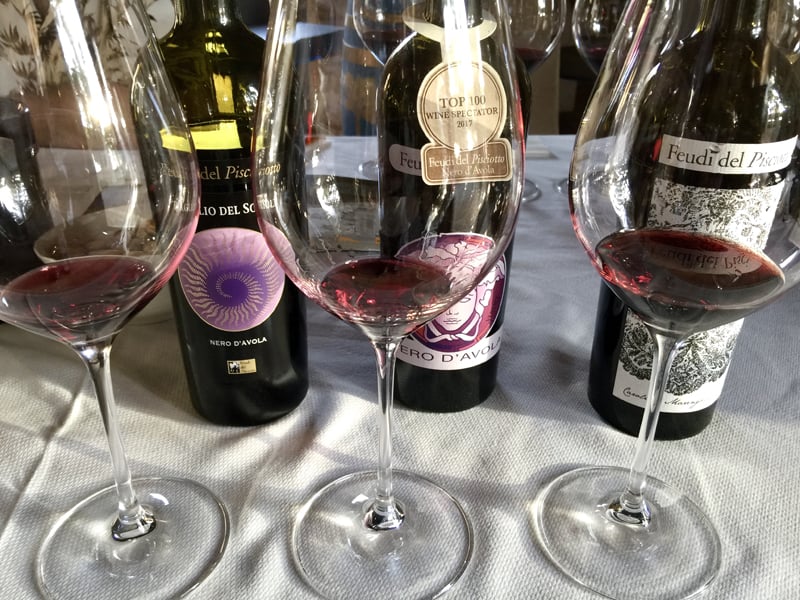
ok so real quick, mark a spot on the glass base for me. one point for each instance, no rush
(368, 169)
(530, 191)
(80, 560)
(675, 556)
(562, 186)
(341, 558)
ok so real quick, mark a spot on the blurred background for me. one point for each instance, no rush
(561, 85)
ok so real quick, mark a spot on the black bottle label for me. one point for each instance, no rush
(701, 365)
(463, 336)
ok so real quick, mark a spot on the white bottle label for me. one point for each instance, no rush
(726, 159)
(698, 374)
(405, 159)
(459, 338)
(701, 365)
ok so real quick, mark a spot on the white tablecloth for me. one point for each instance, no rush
(744, 470)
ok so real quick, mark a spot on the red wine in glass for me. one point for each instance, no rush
(594, 56)
(99, 188)
(386, 292)
(78, 299)
(535, 31)
(532, 57)
(388, 266)
(595, 523)
(593, 25)
(686, 280)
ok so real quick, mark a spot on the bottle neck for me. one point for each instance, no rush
(210, 12)
(456, 14)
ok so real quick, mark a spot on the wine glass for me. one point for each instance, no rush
(381, 28)
(380, 25)
(536, 29)
(690, 233)
(593, 25)
(98, 204)
(388, 256)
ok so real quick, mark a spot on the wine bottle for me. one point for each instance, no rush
(451, 363)
(241, 322)
(695, 168)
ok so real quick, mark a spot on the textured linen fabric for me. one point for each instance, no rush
(744, 470)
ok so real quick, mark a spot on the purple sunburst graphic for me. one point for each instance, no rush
(230, 278)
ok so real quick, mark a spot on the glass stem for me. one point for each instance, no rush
(384, 512)
(132, 519)
(631, 507)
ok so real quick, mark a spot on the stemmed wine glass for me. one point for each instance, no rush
(536, 29)
(387, 257)
(691, 232)
(380, 27)
(593, 25)
(98, 203)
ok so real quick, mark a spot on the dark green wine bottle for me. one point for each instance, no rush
(450, 364)
(705, 142)
(241, 322)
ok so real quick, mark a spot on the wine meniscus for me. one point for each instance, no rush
(686, 281)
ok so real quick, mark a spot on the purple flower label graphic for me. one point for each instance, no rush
(230, 278)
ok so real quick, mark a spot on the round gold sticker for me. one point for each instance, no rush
(462, 105)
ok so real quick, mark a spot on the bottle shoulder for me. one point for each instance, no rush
(235, 49)
(189, 34)
(216, 72)
(413, 60)
(734, 90)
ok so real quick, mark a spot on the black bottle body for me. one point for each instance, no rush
(241, 322)
(451, 363)
(709, 145)
(237, 376)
